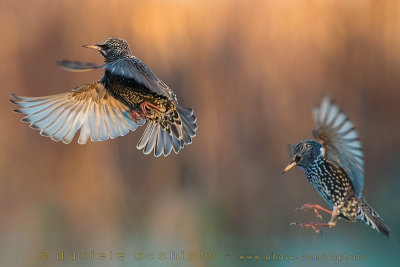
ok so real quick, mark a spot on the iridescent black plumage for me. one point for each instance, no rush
(334, 166)
(128, 95)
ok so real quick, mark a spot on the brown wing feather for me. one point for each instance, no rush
(89, 108)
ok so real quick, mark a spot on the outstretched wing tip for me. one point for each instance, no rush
(13, 96)
(339, 136)
(89, 109)
(76, 66)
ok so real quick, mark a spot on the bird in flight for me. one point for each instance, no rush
(334, 165)
(127, 96)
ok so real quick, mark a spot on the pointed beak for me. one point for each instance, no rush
(96, 47)
(288, 167)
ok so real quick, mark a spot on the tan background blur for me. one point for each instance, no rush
(252, 70)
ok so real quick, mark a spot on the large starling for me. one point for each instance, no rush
(334, 165)
(128, 95)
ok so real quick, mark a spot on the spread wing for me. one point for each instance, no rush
(341, 141)
(89, 108)
(133, 68)
(130, 68)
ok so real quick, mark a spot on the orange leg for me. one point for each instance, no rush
(335, 215)
(147, 106)
(316, 208)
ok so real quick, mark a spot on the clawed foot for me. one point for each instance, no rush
(148, 107)
(314, 225)
(136, 117)
(307, 225)
(316, 208)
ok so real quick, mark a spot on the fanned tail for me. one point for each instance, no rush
(369, 216)
(170, 130)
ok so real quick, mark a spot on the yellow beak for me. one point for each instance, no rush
(96, 47)
(288, 167)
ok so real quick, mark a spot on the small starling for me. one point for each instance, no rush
(334, 165)
(128, 95)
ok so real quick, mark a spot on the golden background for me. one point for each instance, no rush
(252, 70)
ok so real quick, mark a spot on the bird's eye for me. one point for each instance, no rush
(297, 158)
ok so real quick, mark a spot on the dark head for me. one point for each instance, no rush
(305, 153)
(112, 49)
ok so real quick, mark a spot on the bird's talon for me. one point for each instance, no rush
(136, 117)
(305, 207)
(148, 108)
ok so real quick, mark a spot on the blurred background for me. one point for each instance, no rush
(252, 70)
